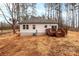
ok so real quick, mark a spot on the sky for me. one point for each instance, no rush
(39, 7)
(2, 6)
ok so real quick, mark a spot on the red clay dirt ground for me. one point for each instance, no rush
(15, 45)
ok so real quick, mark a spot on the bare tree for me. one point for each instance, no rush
(78, 15)
(33, 9)
(60, 15)
(72, 15)
(12, 20)
(1, 27)
(23, 11)
(47, 7)
(17, 11)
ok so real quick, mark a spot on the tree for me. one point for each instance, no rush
(33, 6)
(23, 11)
(1, 27)
(12, 19)
(78, 15)
(26, 13)
(17, 10)
(60, 15)
(47, 7)
(72, 15)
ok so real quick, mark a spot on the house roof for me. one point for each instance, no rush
(39, 21)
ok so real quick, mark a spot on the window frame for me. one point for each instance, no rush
(27, 26)
(23, 26)
(45, 26)
(33, 26)
(54, 27)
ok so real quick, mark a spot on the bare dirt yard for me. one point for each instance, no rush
(15, 45)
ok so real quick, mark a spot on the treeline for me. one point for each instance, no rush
(6, 26)
(66, 14)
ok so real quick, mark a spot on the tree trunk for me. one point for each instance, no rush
(1, 27)
(78, 16)
(13, 28)
(73, 19)
(14, 25)
(60, 18)
(48, 13)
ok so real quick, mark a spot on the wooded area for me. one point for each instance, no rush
(20, 12)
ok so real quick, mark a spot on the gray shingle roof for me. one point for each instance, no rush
(37, 21)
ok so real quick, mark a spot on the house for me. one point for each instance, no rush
(36, 26)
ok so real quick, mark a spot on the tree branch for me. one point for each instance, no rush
(5, 16)
(8, 7)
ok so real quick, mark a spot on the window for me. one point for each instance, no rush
(33, 26)
(27, 26)
(53, 27)
(23, 26)
(45, 26)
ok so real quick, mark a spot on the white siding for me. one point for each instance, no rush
(39, 27)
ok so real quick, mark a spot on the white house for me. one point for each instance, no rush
(36, 26)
